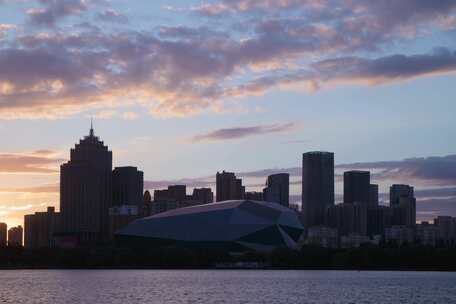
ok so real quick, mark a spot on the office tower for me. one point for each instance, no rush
(403, 204)
(356, 187)
(378, 219)
(254, 196)
(228, 187)
(373, 195)
(348, 218)
(203, 195)
(15, 236)
(398, 191)
(3, 234)
(39, 229)
(86, 191)
(127, 187)
(278, 189)
(317, 186)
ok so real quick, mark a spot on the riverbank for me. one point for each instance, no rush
(411, 258)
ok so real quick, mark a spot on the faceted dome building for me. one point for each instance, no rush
(231, 225)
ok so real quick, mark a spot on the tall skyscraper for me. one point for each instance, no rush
(127, 187)
(15, 236)
(403, 204)
(373, 195)
(3, 234)
(228, 187)
(86, 191)
(317, 186)
(398, 191)
(356, 187)
(278, 189)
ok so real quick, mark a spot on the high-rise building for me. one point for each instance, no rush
(403, 205)
(398, 191)
(15, 236)
(356, 187)
(378, 219)
(317, 186)
(348, 218)
(228, 187)
(278, 189)
(86, 191)
(373, 195)
(3, 234)
(127, 187)
(39, 229)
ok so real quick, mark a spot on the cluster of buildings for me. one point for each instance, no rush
(360, 218)
(97, 200)
(11, 237)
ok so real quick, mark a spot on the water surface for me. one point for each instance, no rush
(132, 286)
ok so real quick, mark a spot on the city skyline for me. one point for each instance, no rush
(257, 181)
(183, 89)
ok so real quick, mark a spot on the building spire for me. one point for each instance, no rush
(91, 127)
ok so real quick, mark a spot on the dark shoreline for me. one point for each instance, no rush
(368, 258)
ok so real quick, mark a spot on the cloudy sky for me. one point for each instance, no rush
(185, 88)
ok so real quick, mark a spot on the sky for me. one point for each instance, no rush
(183, 89)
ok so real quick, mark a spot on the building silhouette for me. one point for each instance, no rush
(254, 196)
(203, 195)
(147, 202)
(175, 197)
(15, 236)
(121, 216)
(39, 229)
(403, 205)
(3, 234)
(278, 189)
(373, 195)
(357, 187)
(127, 187)
(348, 218)
(86, 192)
(317, 186)
(228, 187)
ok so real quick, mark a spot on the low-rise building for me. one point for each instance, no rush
(354, 240)
(15, 236)
(427, 234)
(400, 235)
(39, 229)
(323, 236)
(121, 216)
(3, 234)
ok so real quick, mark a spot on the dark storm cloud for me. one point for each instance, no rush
(242, 132)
